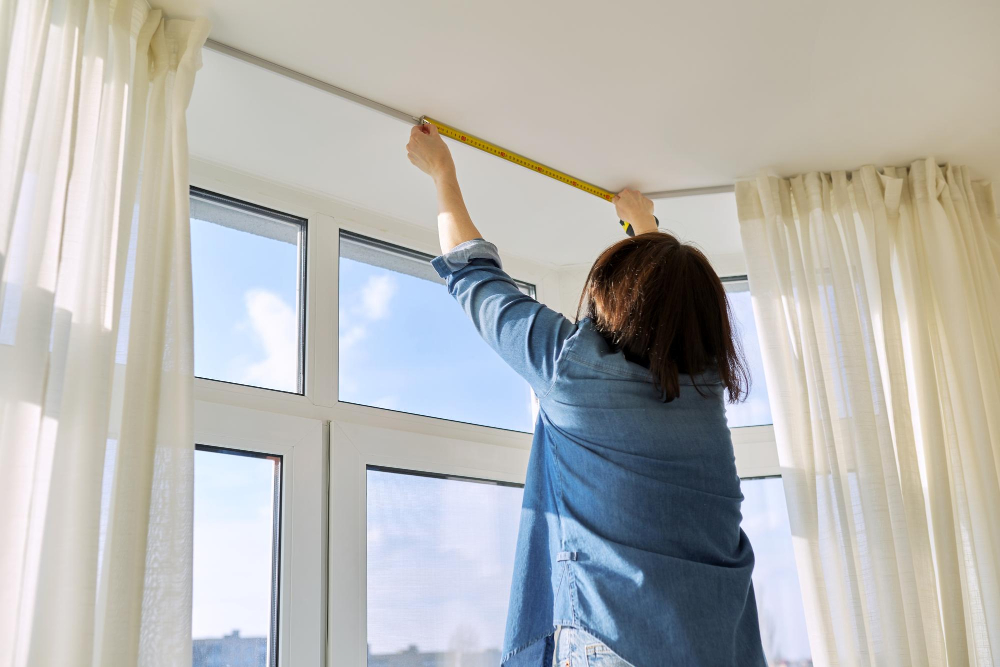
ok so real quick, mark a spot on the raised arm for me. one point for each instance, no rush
(428, 151)
(526, 334)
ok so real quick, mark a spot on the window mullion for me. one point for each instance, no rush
(322, 313)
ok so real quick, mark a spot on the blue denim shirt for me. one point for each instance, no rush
(630, 526)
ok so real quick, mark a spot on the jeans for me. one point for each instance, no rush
(576, 648)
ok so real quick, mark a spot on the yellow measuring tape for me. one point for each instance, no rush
(527, 163)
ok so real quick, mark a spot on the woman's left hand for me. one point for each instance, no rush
(428, 151)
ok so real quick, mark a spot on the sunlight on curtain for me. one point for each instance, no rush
(875, 297)
(96, 458)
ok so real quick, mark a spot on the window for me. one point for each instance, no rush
(755, 410)
(237, 503)
(775, 581)
(378, 562)
(440, 562)
(248, 269)
(405, 345)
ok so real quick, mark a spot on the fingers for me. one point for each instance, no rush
(428, 129)
(424, 128)
(633, 197)
(418, 132)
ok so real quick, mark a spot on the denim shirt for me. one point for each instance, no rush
(630, 525)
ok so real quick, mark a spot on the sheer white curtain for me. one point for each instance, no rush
(876, 299)
(96, 451)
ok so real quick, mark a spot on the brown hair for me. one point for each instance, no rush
(660, 302)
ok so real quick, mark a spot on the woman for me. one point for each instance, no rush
(630, 550)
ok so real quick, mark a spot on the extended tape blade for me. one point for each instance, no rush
(518, 159)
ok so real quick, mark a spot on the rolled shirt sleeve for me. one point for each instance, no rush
(462, 254)
(526, 334)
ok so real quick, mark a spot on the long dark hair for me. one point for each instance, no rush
(660, 302)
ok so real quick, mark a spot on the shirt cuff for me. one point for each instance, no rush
(462, 254)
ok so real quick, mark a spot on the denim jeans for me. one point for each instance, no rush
(576, 648)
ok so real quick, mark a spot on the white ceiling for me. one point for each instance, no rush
(655, 95)
(279, 129)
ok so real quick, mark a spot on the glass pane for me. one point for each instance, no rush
(248, 312)
(440, 562)
(234, 617)
(775, 580)
(755, 410)
(406, 345)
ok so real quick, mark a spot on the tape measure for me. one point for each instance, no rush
(527, 163)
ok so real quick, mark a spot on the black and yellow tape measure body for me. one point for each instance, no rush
(527, 163)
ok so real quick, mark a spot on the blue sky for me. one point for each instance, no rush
(440, 552)
(440, 561)
(246, 329)
(754, 411)
(246, 332)
(233, 515)
(406, 345)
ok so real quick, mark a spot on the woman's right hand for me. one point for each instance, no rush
(428, 151)
(635, 209)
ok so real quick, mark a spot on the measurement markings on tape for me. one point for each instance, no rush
(510, 156)
(518, 159)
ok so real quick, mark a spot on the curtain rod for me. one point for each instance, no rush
(385, 109)
(310, 81)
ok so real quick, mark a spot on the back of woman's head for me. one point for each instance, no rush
(660, 302)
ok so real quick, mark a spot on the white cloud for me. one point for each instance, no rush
(275, 326)
(273, 323)
(352, 336)
(375, 296)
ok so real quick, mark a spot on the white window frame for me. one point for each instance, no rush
(238, 206)
(339, 441)
(755, 447)
(300, 444)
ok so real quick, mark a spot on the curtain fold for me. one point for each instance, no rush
(875, 296)
(96, 445)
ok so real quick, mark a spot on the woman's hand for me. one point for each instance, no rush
(636, 210)
(429, 153)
